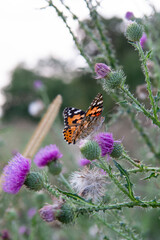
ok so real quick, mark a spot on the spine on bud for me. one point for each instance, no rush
(90, 150)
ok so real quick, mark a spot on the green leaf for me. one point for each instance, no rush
(73, 196)
(152, 175)
(148, 54)
(126, 175)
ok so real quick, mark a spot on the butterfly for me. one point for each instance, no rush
(79, 124)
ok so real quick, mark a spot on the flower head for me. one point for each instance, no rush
(102, 70)
(106, 142)
(143, 40)
(38, 85)
(89, 183)
(46, 155)
(23, 230)
(5, 235)
(84, 162)
(47, 213)
(15, 173)
(129, 15)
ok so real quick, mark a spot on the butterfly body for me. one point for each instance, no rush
(80, 124)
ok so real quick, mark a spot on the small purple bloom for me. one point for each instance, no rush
(5, 235)
(106, 142)
(129, 15)
(14, 174)
(23, 230)
(102, 70)
(46, 155)
(31, 212)
(143, 40)
(47, 213)
(84, 162)
(38, 84)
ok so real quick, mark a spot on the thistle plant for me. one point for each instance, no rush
(109, 178)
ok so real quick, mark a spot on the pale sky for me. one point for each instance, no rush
(29, 33)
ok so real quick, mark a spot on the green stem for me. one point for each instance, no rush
(60, 14)
(119, 206)
(66, 182)
(117, 183)
(147, 113)
(125, 155)
(147, 79)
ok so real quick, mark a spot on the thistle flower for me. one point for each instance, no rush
(89, 183)
(15, 173)
(105, 141)
(23, 230)
(38, 85)
(129, 15)
(134, 32)
(47, 213)
(143, 40)
(84, 162)
(47, 155)
(102, 70)
(58, 211)
(5, 235)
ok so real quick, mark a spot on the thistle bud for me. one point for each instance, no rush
(134, 32)
(65, 214)
(90, 150)
(102, 70)
(55, 167)
(34, 181)
(114, 80)
(117, 150)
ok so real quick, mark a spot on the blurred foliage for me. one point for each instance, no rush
(77, 90)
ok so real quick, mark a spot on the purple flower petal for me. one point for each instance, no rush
(102, 70)
(143, 40)
(46, 155)
(129, 15)
(14, 174)
(106, 142)
(84, 162)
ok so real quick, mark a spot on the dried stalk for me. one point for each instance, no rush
(43, 128)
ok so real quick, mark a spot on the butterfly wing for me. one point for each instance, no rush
(72, 118)
(92, 120)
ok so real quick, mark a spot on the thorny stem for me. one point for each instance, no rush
(147, 113)
(125, 155)
(114, 179)
(60, 14)
(146, 73)
(105, 42)
(119, 206)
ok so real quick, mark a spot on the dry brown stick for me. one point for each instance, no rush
(43, 128)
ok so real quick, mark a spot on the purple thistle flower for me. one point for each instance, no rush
(102, 70)
(14, 174)
(129, 15)
(38, 84)
(47, 213)
(31, 212)
(46, 155)
(23, 230)
(143, 40)
(84, 162)
(106, 142)
(5, 235)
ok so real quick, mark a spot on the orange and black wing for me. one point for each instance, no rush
(72, 118)
(96, 107)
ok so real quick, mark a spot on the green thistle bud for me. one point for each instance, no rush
(117, 150)
(65, 214)
(34, 181)
(114, 80)
(55, 167)
(91, 150)
(134, 32)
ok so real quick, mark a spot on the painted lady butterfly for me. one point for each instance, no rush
(79, 124)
